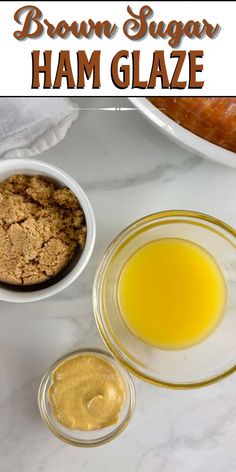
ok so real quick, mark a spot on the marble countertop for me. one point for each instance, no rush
(128, 170)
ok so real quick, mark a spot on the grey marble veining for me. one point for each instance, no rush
(128, 170)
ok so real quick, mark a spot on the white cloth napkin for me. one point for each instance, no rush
(29, 126)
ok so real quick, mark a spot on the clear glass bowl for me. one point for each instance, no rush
(87, 438)
(208, 361)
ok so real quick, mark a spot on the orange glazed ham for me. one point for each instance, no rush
(213, 119)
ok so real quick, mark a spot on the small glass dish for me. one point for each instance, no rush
(201, 364)
(87, 438)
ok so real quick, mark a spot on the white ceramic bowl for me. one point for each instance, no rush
(12, 293)
(182, 136)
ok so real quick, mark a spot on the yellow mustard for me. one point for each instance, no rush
(87, 393)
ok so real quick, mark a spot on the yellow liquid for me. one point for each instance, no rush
(171, 293)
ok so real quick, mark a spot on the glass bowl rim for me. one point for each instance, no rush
(99, 317)
(130, 391)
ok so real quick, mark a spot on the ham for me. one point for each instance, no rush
(211, 118)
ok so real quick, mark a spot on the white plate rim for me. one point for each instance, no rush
(182, 136)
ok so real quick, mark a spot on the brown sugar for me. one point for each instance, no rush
(41, 226)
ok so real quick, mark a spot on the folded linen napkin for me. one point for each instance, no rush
(29, 126)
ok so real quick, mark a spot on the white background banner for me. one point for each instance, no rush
(139, 65)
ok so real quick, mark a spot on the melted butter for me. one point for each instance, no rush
(172, 293)
(87, 393)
